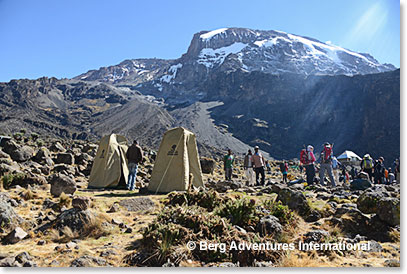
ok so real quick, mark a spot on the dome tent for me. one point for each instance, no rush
(109, 168)
(177, 159)
(349, 157)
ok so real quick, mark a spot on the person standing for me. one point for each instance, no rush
(258, 162)
(307, 159)
(379, 171)
(284, 170)
(336, 166)
(248, 167)
(367, 165)
(326, 164)
(391, 177)
(134, 156)
(228, 161)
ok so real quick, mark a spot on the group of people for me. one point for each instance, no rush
(254, 165)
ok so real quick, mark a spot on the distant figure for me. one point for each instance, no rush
(336, 166)
(134, 156)
(391, 176)
(258, 165)
(367, 165)
(307, 159)
(248, 167)
(228, 161)
(379, 171)
(326, 164)
(397, 170)
(284, 170)
(353, 173)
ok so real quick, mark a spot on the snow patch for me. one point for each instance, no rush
(173, 73)
(210, 34)
(209, 57)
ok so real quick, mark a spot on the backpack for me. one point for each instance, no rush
(282, 167)
(304, 157)
(327, 154)
(368, 163)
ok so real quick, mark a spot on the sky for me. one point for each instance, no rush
(66, 38)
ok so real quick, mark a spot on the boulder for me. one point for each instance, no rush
(15, 236)
(389, 211)
(88, 261)
(318, 235)
(368, 202)
(68, 169)
(8, 217)
(82, 203)
(18, 153)
(64, 158)
(43, 156)
(360, 184)
(138, 204)
(207, 165)
(355, 222)
(57, 147)
(61, 183)
(295, 200)
(269, 225)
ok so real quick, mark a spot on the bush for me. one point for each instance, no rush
(9, 180)
(282, 212)
(241, 212)
(206, 199)
(34, 136)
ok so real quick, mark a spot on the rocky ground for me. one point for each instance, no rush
(48, 217)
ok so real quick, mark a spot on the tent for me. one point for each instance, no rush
(349, 157)
(177, 158)
(110, 165)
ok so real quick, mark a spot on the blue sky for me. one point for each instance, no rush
(66, 38)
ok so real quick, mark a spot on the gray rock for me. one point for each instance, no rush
(369, 200)
(316, 236)
(18, 153)
(388, 211)
(114, 208)
(43, 156)
(392, 263)
(88, 261)
(295, 200)
(15, 236)
(269, 225)
(61, 183)
(360, 184)
(207, 165)
(375, 247)
(8, 217)
(64, 158)
(57, 147)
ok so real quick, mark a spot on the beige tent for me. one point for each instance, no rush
(177, 158)
(110, 165)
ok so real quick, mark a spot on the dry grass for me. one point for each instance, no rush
(394, 235)
(64, 200)
(309, 259)
(67, 235)
(28, 195)
(96, 227)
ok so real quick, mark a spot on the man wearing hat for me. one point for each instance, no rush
(326, 164)
(258, 162)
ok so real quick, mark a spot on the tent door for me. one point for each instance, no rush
(122, 181)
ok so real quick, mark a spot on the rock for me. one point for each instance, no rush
(355, 222)
(83, 159)
(8, 217)
(82, 203)
(375, 247)
(363, 175)
(269, 225)
(360, 184)
(15, 236)
(263, 264)
(313, 216)
(88, 261)
(207, 165)
(71, 245)
(41, 242)
(43, 156)
(18, 153)
(8, 262)
(57, 147)
(389, 211)
(114, 208)
(295, 200)
(64, 158)
(138, 204)
(3, 155)
(61, 183)
(316, 236)
(25, 259)
(369, 201)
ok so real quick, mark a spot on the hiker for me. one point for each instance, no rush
(336, 166)
(326, 164)
(228, 165)
(284, 170)
(258, 165)
(367, 166)
(307, 159)
(379, 171)
(134, 156)
(248, 167)
(397, 170)
(391, 176)
(353, 173)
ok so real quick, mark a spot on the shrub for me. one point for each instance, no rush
(241, 212)
(9, 179)
(282, 212)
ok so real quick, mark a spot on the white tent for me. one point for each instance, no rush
(349, 157)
